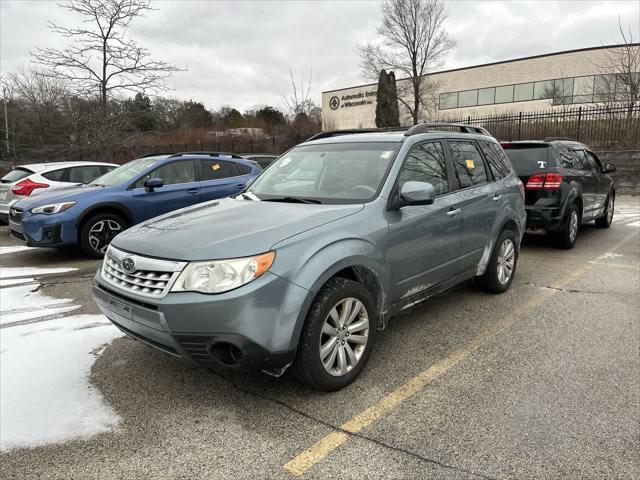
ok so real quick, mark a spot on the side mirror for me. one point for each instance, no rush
(608, 168)
(417, 193)
(151, 184)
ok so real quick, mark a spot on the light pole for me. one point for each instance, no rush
(6, 118)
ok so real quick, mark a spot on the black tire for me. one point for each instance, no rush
(607, 219)
(565, 238)
(308, 366)
(491, 281)
(110, 219)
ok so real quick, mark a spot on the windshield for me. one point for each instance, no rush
(327, 173)
(126, 172)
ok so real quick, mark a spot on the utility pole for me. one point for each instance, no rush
(6, 118)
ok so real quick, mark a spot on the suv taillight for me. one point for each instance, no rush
(25, 187)
(544, 181)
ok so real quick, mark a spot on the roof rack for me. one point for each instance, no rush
(155, 154)
(211, 154)
(335, 133)
(461, 127)
(555, 139)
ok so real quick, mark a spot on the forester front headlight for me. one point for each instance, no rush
(53, 208)
(217, 276)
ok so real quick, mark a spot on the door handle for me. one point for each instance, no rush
(193, 191)
(497, 198)
(240, 185)
(453, 213)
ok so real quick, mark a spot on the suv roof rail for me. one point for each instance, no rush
(555, 139)
(335, 133)
(211, 154)
(431, 126)
(155, 154)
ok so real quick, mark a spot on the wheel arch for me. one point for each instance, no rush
(110, 207)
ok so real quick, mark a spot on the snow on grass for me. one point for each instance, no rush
(10, 272)
(14, 249)
(7, 282)
(46, 396)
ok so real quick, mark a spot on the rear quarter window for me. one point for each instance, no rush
(497, 159)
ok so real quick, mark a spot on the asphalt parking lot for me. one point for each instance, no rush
(540, 382)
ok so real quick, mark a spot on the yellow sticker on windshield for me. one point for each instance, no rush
(215, 166)
(470, 165)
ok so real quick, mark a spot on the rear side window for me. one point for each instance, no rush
(217, 170)
(581, 162)
(529, 158)
(468, 163)
(426, 163)
(566, 157)
(498, 161)
(57, 175)
(15, 175)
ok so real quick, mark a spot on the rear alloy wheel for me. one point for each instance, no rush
(337, 336)
(98, 231)
(566, 238)
(501, 269)
(607, 219)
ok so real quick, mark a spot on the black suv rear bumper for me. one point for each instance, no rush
(545, 218)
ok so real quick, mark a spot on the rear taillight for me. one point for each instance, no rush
(544, 181)
(26, 187)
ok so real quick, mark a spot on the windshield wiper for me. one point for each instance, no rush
(291, 200)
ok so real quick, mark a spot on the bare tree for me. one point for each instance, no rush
(299, 102)
(414, 44)
(100, 59)
(620, 83)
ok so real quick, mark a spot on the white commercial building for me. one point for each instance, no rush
(541, 82)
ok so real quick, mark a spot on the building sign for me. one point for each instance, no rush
(353, 100)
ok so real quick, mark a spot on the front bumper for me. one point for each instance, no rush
(252, 327)
(44, 230)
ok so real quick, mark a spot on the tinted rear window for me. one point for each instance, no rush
(15, 175)
(529, 158)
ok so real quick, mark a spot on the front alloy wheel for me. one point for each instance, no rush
(101, 233)
(338, 335)
(344, 336)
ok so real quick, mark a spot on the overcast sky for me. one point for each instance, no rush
(239, 53)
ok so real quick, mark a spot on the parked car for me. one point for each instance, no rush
(566, 186)
(36, 178)
(311, 260)
(92, 214)
(262, 159)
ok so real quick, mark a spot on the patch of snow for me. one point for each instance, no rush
(10, 272)
(46, 396)
(634, 224)
(26, 297)
(14, 249)
(23, 316)
(6, 282)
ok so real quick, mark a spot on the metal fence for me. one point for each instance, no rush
(603, 128)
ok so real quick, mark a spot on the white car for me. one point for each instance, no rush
(37, 178)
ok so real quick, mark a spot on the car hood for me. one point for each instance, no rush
(64, 194)
(226, 228)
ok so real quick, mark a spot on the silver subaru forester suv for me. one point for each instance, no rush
(306, 265)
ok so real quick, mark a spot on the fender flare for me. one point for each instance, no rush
(124, 210)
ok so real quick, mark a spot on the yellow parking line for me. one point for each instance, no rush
(318, 451)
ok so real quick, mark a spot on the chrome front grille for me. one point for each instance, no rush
(143, 276)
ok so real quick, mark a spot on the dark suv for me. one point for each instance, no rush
(565, 186)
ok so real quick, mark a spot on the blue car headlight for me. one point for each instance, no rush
(53, 208)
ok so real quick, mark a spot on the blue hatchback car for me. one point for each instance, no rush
(91, 215)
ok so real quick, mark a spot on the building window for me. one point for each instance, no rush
(504, 94)
(448, 100)
(543, 89)
(468, 98)
(486, 96)
(523, 92)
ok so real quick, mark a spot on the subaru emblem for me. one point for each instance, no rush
(128, 265)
